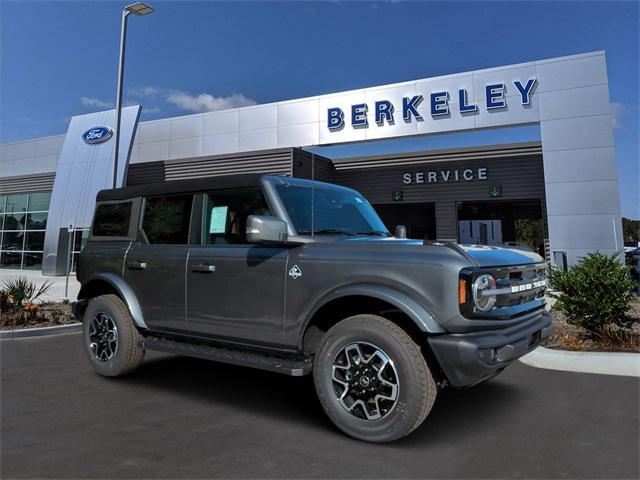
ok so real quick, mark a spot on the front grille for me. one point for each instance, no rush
(526, 284)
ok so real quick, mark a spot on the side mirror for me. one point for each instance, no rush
(266, 229)
(401, 231)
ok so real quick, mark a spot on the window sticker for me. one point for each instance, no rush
(218, 223)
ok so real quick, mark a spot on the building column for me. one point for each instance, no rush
(581, 183)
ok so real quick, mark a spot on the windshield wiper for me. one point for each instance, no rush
(379, 233)
(326, 231)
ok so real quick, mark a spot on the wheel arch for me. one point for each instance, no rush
(105, 283)
(369, 298)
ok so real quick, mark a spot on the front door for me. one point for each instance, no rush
(155, 266)
(235, 291)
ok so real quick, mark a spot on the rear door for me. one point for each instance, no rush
(155, 266)
(235, 291)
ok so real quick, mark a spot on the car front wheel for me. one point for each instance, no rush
(372, 379)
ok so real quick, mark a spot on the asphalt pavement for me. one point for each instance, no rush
(179, 417)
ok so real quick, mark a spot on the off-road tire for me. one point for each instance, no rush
(129, 354)
(417, 388)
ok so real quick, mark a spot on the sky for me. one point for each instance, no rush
(59, 59)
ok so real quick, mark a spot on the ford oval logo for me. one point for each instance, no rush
(97, 135)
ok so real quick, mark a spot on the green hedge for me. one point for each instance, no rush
(595, 292)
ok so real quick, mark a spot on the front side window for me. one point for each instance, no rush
(225, 215)
(166, 219)
(112, 219)
(330, 210)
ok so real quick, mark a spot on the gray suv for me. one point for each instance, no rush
(299, 277)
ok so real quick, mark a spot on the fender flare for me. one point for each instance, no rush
(125, 291)
(423, 319)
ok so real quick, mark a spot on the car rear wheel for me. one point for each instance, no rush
(111, 340)
(372, 379)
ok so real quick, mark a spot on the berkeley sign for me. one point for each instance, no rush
(384, 110)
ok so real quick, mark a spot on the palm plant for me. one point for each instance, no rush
(20, 291)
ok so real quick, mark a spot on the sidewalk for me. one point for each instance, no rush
(55, 293)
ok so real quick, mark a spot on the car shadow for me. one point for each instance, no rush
(293, 399)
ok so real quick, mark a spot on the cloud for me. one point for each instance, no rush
(95, 103)
(146, 91)
(205, 102)
(617, 111)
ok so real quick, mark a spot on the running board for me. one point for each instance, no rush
(287, 366)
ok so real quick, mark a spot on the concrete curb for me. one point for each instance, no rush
(607, 363)
(42, 331)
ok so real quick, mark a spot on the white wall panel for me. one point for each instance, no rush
(583, 198)
(218, 144)
(185, 147)
(25, 150)
(306, 134)
(48, 146)
(258, 139)
(572, 231)
(577, 102)
(7, 151)
(216, 123)
(562, 74)
(297, 113)
(580, 164)
(577, 132)
(187, 127)
(156, 131)
(258, 117)
(151, 152)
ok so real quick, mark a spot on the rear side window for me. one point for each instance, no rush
(166, 219)
(112, 220)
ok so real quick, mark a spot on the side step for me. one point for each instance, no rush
(287, 366)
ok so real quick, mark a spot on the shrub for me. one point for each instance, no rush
(595, 293)
(20, 292)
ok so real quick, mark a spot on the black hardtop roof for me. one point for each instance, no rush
(182, 186)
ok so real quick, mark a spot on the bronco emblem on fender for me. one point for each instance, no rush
(295, 272)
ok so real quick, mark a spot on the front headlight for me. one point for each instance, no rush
(481, 299)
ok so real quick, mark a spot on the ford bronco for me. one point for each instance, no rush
(302, 277)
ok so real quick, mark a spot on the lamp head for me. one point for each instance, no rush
(139, 9)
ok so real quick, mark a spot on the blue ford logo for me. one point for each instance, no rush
(97, 135)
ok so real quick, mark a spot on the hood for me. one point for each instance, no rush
(481, 255)
(487, 256)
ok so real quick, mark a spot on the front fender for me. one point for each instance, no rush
(124, 290)
(423, 319)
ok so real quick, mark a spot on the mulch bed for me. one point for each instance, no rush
(49, 314)
(572, 337)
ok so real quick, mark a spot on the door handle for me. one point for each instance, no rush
(137, 265)
(201, 267)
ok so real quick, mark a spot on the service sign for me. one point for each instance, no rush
(97, 135)
(440, 104)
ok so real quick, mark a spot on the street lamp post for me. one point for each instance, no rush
(137, 9)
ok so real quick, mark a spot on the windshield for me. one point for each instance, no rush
(330, 210)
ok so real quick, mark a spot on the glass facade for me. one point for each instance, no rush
(23, 221)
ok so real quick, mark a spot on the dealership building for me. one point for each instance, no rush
(558, 195)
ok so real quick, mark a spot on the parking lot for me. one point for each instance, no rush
(179, 417)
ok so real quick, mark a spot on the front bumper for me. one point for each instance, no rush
(467, 359)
